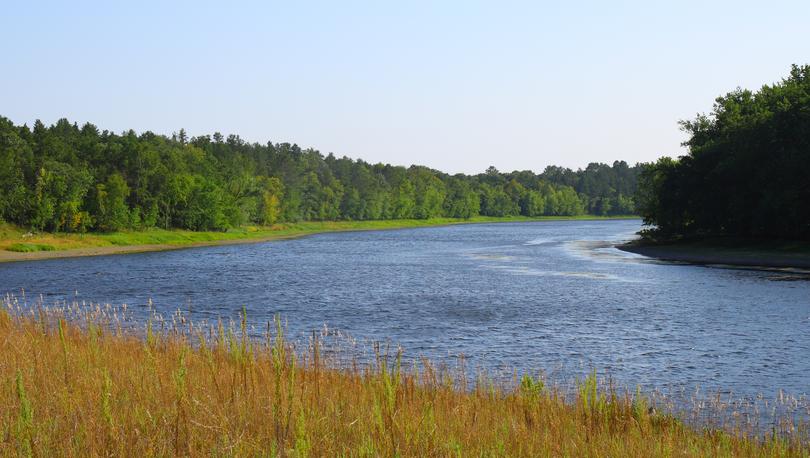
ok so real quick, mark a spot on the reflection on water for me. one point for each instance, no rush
(551, 296)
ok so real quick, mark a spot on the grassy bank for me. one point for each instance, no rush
(19, 244)
(728, 251)
(95, 390)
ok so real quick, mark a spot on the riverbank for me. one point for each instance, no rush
(19, 245)
(730, 252)
(98, 390)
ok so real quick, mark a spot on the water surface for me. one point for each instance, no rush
(551, 296)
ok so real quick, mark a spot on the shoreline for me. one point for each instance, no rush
(772, 256)
(12, 256)
(283, 232)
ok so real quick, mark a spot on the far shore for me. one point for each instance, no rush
(81, 245)
(751, 254)
(11, 256)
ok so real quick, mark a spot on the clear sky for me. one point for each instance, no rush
(457, 86)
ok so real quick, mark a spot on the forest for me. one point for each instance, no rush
(71, 178)
(747, 171)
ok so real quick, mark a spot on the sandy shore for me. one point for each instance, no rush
(700, 253)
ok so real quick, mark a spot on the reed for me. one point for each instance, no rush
(75, 381)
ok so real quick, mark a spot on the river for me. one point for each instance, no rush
(551, 296)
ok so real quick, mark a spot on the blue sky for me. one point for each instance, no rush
(457, 86)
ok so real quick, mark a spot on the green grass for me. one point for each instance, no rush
(30, 247)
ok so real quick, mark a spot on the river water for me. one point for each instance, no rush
(550, 296)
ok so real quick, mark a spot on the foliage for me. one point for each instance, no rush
(111, 210)
(66, 178)
(746, 173)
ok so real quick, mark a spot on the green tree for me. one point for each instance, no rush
(69, 178)
(745, 174)
(403, 200)
(429, 194)
(112, 212)
(15, 155)
(59, 196)
(204, 208)
(533, 204)
(461, 200)
(312, 197)
(270, 200)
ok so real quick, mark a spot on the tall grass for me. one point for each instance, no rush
(74, 381)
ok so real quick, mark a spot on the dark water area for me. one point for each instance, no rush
(550, 296)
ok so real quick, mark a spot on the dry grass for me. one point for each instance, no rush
(74, 383)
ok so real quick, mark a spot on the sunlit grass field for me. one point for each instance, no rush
(74, 382)
(16, 239)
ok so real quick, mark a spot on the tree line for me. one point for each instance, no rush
(747, 171)
(69, 178)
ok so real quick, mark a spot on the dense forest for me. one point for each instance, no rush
(69, 178)
(747, 171)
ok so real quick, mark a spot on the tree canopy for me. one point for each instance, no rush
(69, 178)
(747, 171)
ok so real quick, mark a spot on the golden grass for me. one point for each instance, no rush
(89, 388)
